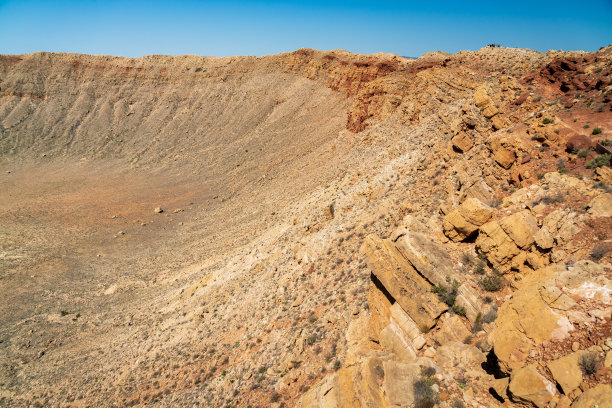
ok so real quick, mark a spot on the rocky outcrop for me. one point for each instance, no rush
(465, 220)
(530, 387)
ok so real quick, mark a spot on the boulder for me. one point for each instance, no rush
(525, 321)
(497, 245)
(429, 258)
(503, 150)
(566, 372)
(521, 228)
(401, 281)
(463, 142)
(599, 396)
(577, 142)
(601, 206)
(452, 330)
(458, 354)
(463, 221)
(527, 386)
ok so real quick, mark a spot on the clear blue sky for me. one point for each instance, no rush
(136, 28)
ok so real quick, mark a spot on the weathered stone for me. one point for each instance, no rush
(465, 220)
(599, 396)
(463, 141)
(411, 291)
(601, 206)
(500, 385)
(458, 354)
(521, 228)
(481, 99)
(498, 122)
(497, 245)
(394, 341)
(503, 150)
(544, 239)
(451, 330)
(398, 383)
(566, 372)
(490, 111)
(429, 258)
(528, 386)
(523, 321)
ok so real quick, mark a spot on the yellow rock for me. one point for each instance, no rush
(465, 219)
(599, 396)
(566, 372)
(528, 386)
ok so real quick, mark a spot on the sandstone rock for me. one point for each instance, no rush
(490, 111)
(521, 228)
(498, 122)
(497, 245)
(500, 385)
(463, 142)
(566, 372)
(481, 99)
(528, 386)
(523, 321)
(503, 150)
(158, 210)
(411, 291)
(394, 341)
(599, 396)
(426, 256)
(458, 354)
(544, 239)
(601, 206)
(465, 220)
(603, 174)
(398, 383)
(452, 330)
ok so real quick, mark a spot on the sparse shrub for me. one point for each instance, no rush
(586, 126)
(477, 323)
(424, 394)
(488, 299)
(460, 310)
(583, 153)
(337, 365)
(599, 160)
(490, 316)
(596, 131)
(492, 282)
(467, 258)
(446, 294)
(540, 176)
(547, 121)
(606, 142)
(64, 313)
(561, 166)
(599, 251)
(262, 369)
(480, 268)
(588, 363)
(312, 339)
(274, 397)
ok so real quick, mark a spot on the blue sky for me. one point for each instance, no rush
(218, 28)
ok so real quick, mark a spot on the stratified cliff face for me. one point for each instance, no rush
(315, 228)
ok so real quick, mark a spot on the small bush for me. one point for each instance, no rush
(490, 316)
(599, 160)
(561, 166)
(446, 294)
(477, 323)
(424, 394)
(460, 310)
(480, 268)
(64, 313)
(492, 282)
(596, 131)
(599, 251)
(583, 153)
(547, 121)
(467, 258)
(275, 397)
(606, 142)
(588, 363)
